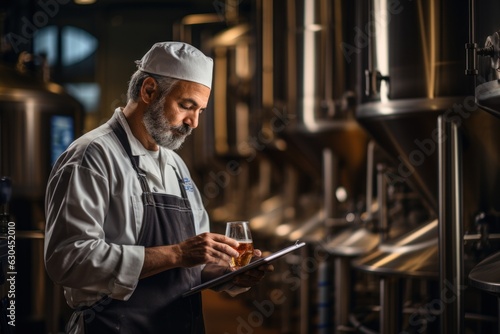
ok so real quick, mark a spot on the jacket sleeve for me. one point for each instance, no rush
(76, 252)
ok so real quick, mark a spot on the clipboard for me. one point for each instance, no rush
(252, 265)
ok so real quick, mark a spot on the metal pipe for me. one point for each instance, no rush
(390, 305)
(498, 308)
(369, 85)
(383, 223)
(305, 296)
(476, 236)
(330, 176)
(324, 300)
(369, 180)
(342, 292)
(472, 26)
(182, 29)
(471, 46)
(451, 271)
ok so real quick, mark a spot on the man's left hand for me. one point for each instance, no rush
(254, 276)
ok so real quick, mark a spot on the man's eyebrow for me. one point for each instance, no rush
(190, 100)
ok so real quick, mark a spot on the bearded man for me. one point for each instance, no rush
(126, 230)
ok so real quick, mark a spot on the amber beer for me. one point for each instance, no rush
(245, 249)
(240, 231)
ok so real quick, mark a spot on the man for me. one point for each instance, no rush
(126, 230)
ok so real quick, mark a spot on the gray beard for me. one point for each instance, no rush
(160, 129)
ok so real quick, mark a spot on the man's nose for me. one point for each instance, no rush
(192, 119)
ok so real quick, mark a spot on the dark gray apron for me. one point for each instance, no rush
(156, 306)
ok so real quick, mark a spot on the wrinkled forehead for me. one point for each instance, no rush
(192, 92)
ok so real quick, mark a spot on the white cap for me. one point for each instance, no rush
(178, 60)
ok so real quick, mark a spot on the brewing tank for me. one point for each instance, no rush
(314, 84)
(484, 46)
(415, 71)
(419, 105)
(413, 68)
(38, 120)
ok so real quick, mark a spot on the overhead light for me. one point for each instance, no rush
(84, 2)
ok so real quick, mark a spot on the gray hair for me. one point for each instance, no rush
(165, 84)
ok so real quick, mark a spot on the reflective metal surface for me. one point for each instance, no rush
(486, 274)
(407, 130)
(313, 84)
(353, 241)
(413, 254)
(27, 141)
(312, 67)
(486, 32)
(488, 97)
(416, 87)
(415, 62)
(26, 105)
(416, 48)
(481, 163)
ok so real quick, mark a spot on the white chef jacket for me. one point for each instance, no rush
(94, 213)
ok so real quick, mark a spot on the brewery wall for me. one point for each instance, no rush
(368, 129)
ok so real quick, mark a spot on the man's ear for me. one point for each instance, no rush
(148, 90)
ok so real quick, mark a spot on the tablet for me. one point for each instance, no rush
(252, 265)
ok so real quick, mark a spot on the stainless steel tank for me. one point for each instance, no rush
(414, 71)
(420, 107)
(484, 54)
(413, 65)
(38, 120)
(315, 86)
(304, 90)
(482, 133)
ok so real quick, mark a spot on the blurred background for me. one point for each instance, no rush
(367, 128)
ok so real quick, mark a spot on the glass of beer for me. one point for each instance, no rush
(240, 231)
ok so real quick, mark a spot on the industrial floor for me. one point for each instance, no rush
(227, 315)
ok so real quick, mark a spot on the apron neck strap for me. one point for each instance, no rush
(122, 137)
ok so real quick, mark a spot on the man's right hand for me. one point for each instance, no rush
(204, 248)
(207, 248)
